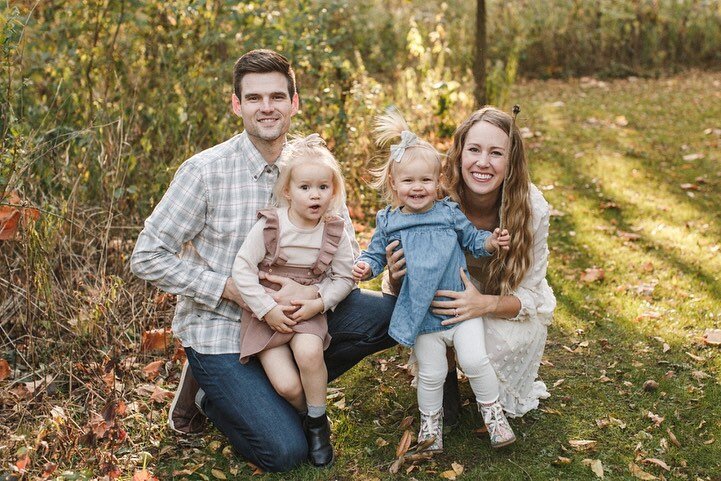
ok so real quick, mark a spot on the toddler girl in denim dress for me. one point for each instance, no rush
(433, 234)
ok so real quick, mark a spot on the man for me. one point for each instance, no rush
(187, 247)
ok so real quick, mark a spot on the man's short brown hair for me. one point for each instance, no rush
(262, 61)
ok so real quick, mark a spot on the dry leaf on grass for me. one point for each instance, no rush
(156, 340)
(406, 423)
(657, 462)
(218, 474)
(582, 444)
(152, 370)
(712, 337)
(4, 370)
(143, 475)
(592, 274)
(640, 473)
(595, 465)
(404, 444)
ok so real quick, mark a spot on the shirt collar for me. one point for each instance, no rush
(255, 161)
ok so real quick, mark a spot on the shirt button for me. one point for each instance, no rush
(268, 170)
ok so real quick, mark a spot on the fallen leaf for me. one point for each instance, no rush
(712, 337)
(692, 157)
(657, 420)
(396, 465)
(689, 186)
(404, 443)
(218, 474)
(562, 460)
(640, 473)
(709, 441)
(672, 438)
(595, 465)
(22, 462)
(152, 370)
(650, 385)
(4, 369)
(143, 475)
(621, 121)
(629, 236)
(657, 462)
(592, 274)
(380, 442)
(559, 382)
(450, 474)
(458, 468)
(698, 375)
(582, 444)
(161, 395)
(406, 423)
(694, 357)
(156, 339)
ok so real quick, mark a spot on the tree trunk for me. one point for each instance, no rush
(479, 61)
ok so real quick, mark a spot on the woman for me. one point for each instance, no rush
(486, 172)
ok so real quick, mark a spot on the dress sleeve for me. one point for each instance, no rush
(340, 275)
(375, 253)
(178, 218)
(245, 271)
(535, 294)
(470, 238)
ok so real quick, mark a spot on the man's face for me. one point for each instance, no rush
(265, 106)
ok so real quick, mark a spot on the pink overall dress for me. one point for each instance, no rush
(256, 335)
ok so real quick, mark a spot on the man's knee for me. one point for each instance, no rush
(285, 455)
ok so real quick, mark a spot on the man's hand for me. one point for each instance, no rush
(500, 239)
(277, 320)
(307, 309)
(361, 271)
(231, 293)
(289, 289)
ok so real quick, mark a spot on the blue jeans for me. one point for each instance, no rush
(243, 405)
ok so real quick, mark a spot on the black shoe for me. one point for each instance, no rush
(451, 402)
(317, 432)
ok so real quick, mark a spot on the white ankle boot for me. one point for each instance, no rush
(432, 427)
(499, 430)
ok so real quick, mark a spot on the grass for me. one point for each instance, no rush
(609, 157)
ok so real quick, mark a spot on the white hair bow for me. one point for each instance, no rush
(408, 139)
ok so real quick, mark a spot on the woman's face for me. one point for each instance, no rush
(484, 159)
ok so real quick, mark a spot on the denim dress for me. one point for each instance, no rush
(433, 244)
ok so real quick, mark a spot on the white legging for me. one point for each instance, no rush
(469, 340)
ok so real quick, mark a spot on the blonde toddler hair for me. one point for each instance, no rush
(310, 149)
(389, 127)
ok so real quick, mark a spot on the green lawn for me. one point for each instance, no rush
(632, 169)
(609, 157)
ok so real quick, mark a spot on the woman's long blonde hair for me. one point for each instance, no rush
(388, 128)
(309, 149)
(501, 273)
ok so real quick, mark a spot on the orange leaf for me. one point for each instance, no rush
(10, 215)
(23, 462)
(161, 395)
(143, 475)
(152, 370)
(49, 469)
(156, 340)
(4, 369)
(593, 274)
(404, 444)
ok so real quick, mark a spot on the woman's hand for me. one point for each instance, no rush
(465, 304)
(396, 265)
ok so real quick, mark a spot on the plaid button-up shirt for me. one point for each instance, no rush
(189, 242)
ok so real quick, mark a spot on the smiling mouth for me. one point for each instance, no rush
(267, 121)
(481, 177)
